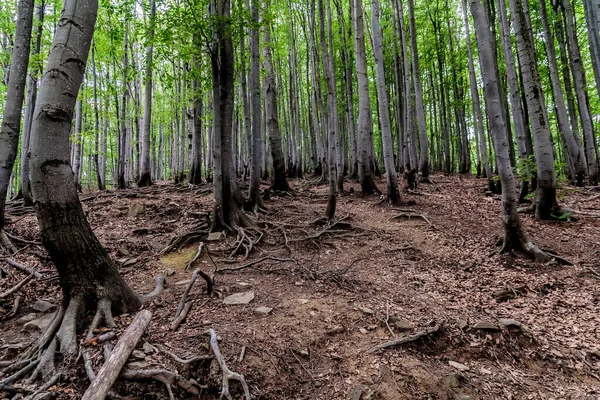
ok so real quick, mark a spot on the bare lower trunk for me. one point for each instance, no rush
(145, 170)
(365, 122)
(11, 119)
(384, 112)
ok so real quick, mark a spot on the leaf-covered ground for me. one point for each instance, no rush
(508, 328)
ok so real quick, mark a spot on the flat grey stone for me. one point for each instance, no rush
(170, 272)
(140, 355)
(303, 301)
(263, 310)
(40, 324)
(42, 305)
(239, 298)
(215, 236)
(148, 348)
(511, 323)
(458, 366)
(367, 310)
(136, 210)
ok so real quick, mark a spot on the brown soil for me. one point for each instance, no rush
(332, 306)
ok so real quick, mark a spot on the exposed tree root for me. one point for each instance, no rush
(227, 373)
(6, 244)
(22, 267)
(245, 241)
(403, 340)
(168, 378)
(199, 232)
(332, 228)
(558, 213)
(532, 250)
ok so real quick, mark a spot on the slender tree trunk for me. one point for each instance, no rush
(272, 115)
(121, 182)
(419, 106)
(11, 119)
(589, 136)
(545, 204)
(99, 176)
(145, 170)
(384, 111)
(332, 123)
(365, 122)
(254, 199)
(574, 155)
(228, 213)
(32, 88)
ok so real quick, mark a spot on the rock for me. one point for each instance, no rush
(263, 310)
(148, 348)
(511, 323)
(26, 318)
(336, 329)
(123, 251)
(42, 305)
(303, 301)
(462, 396)
(170, 272)
(239, 298)
(129, 262)
(485, 371)
(299, 283)
(244, 284)
(486, 325)
(136, 210)
(355, 393)
(363, 331)
(402, 325)
(137, 365)
(367, 311)
(41, 323)
(463, 324)
(458, 366)
(215, 237)
(451, 381)
(140, 355)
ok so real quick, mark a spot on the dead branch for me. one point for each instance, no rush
(187, 361)
(403, 340)
(182, 315)
(198, 253)
(16, 288)
(409, 216)
(22, 267)
(112, 367)
(227, 373)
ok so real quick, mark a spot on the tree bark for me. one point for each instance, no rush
(11, 119)
(145, 170)
(86, 272)
(546, 205)
(384, 111)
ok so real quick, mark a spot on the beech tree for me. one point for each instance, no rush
(87, 275)
(11, 119)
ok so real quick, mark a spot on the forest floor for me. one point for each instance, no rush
(508, 328)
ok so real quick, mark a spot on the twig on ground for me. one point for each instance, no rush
(16, 288)
(387, 319)
(403, 340)
(253, 263)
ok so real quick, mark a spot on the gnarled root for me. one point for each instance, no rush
(6, 243)
(521, 244)
(246, 239)
(227, 373)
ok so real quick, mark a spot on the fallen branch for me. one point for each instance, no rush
(16, 288)
(167, 377)
(22, 267)
(253, 263)
(409, 216)
(187, 361)
(182, 315)
(227, 373)
(111, 369)
(403, 340)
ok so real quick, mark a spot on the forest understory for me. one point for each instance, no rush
(481, 325)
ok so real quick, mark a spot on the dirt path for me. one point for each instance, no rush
(332, 307)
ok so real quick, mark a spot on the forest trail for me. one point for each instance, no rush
(332, 306)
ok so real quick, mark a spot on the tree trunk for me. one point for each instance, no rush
(272, 115)
(254, 199)
(574, 155)
(32, 88)
(419, 106)
(545, 203)
(11, 119)
(228, 213)
(85, 269)
(365, 121)
(514, 236)
(121, 182)
(589, 136)
(145, 173)
(384, 111)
